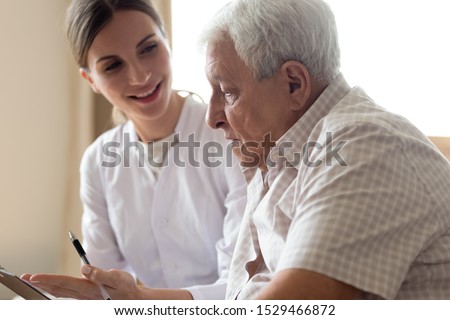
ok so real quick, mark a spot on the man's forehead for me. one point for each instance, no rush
(221, 55)
(221, 49)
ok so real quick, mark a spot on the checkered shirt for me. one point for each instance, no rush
(355, 193)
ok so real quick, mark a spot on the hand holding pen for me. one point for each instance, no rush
(76, 243)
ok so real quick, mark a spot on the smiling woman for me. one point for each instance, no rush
(142, 214)
(126, 66)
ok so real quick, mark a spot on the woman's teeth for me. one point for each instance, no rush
(146, 94)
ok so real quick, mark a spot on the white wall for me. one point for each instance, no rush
(34, 93)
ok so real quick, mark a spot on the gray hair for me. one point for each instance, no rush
(267, 33)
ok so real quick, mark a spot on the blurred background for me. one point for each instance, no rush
(48, 117)
(396, 50)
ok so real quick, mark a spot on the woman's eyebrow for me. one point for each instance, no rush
(137, 46)
(145, 39)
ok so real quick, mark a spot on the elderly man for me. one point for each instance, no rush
(351, 201)
(346, 200)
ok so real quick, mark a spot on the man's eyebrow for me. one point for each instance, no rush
(214, 76)
(137, 46)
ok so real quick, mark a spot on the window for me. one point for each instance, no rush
(188, 19)
(397, 50)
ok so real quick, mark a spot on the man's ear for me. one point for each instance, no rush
(297, 77)
(85, 75)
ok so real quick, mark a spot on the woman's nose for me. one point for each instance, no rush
(138, 74)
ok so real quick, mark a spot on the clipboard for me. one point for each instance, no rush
(20, 287)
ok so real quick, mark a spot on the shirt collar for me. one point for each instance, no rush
(181, 128)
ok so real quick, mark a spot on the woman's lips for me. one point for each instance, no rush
(148, 96)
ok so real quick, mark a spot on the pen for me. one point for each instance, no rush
(76, 243)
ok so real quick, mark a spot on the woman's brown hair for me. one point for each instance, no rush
(85, 19)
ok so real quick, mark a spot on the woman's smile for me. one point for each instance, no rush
(149, 95)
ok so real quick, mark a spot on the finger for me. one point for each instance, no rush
(25, 277)
(54, 279)
(51, 289)
(66, 286)
(121, 285)
(60, 292)
(114, 279)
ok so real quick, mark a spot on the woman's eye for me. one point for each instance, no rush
(113, 66)
(148, 48)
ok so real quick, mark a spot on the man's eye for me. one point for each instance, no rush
(229, 97)
(113, 66)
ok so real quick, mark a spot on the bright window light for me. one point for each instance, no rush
(188, 19)
(397, 50)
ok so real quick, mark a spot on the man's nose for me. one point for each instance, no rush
(215, 115)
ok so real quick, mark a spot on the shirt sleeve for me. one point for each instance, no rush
(362, 222)
(215, 291)
(98, 237)
(235, 202)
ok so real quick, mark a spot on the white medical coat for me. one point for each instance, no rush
(176, 231)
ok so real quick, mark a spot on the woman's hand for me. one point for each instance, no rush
(119, 284)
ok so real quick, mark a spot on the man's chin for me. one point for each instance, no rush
(248, 158)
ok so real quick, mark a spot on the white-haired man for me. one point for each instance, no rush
(349, 201)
